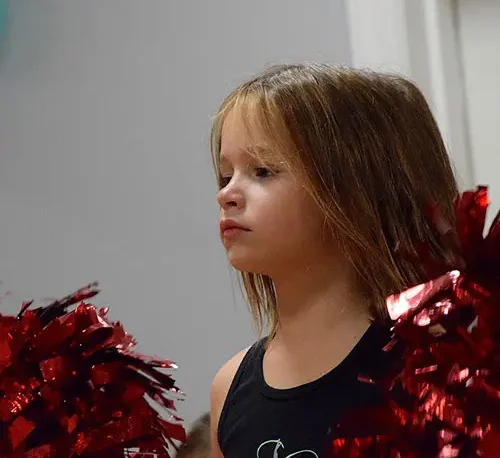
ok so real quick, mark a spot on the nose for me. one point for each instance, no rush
(231, 196)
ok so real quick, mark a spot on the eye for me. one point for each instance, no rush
(263, 172)
(224, 181)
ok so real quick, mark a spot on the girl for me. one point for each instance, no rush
(325, 176)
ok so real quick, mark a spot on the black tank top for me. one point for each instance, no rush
(258, 421)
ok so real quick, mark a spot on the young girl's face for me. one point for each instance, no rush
(279, 225)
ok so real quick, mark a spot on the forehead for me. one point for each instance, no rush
(241, 135)
(241, 130)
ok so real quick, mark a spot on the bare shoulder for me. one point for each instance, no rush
(218, 393)
(224, 377)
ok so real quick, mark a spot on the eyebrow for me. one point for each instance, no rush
(262, 152)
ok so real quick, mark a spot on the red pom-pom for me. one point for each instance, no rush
(71, 386)
(443, 396)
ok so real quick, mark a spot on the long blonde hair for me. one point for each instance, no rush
(370, 154)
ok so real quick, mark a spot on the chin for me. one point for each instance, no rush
(246, 262)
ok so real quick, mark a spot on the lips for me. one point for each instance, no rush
(229, 228)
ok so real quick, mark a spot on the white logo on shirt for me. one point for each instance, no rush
(277, 445)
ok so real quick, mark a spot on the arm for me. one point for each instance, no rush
(218, 393)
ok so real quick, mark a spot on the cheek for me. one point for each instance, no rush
(295, 218)
(288, 233)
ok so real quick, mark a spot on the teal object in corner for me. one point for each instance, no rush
(3, 17)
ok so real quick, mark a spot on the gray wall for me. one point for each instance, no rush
(105, 175)
(480, 36)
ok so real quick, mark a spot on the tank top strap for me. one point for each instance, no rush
(246, 369)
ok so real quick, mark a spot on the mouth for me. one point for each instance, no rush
(230, 229)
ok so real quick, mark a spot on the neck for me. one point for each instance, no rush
(319, 302)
